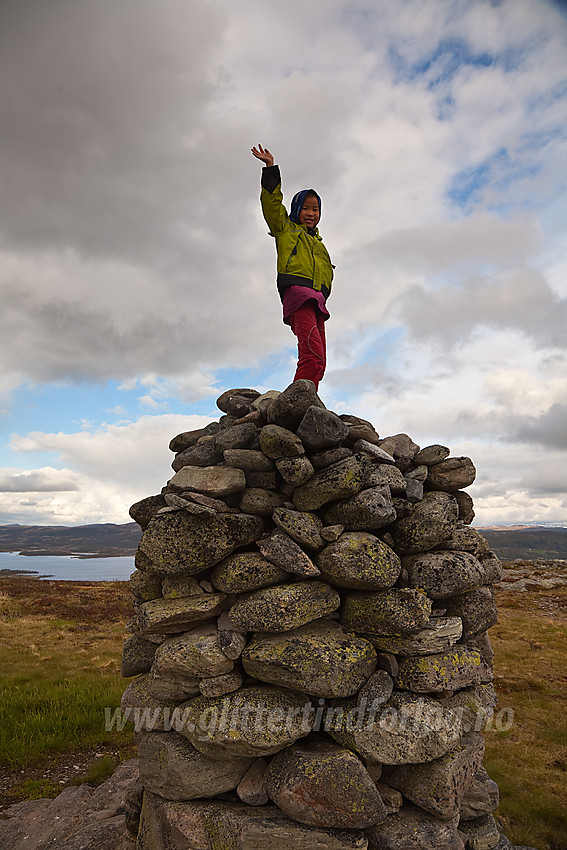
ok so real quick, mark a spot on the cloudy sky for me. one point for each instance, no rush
(136, 272)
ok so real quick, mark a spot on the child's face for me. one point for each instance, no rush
(309, 214)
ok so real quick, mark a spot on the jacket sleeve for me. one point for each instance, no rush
(271, 198)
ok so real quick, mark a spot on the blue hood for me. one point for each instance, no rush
(297, 203)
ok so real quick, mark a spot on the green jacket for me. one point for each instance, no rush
(302, 260)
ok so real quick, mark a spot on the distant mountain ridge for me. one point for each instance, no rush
(100, 540)
(527, 542)
(110, 540)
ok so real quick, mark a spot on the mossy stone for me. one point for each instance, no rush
(427, 525)
(391, 612)
(457, 668)
(245, 571)
(284, 606)
(253, 721)
(340, 480)
(320, 658)
(359, 560)
(183, 543)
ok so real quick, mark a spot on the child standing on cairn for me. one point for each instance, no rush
(305, 271)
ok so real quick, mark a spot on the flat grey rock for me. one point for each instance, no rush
(217, 823)
(171, 767)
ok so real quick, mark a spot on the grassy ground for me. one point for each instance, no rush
(529, 761)
(60, 645)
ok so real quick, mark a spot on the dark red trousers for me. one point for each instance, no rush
(309, 327)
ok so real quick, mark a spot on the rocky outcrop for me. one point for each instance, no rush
(309, 637)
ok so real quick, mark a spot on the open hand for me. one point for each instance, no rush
(263, 154)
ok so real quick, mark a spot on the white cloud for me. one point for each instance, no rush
(132, 247)
(110, 468)
(45, 480)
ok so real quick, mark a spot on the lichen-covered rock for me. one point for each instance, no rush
(253, 721)
(402, 448)
(431, 455)
(146, 509)
(407, 729)
(173, 616)
(319, 658)
(383, 475)
(439, 635)
(326, 458)
(194, 653)
(377, 689)
(451, 474)
(295, 470)
(303, 527)
(248, 459)
(177, 587)
(203, 453)
(180, 543)
(413, 829)
(481, 642)
(246, 571)
(477, 610)
(256, 500)
(218, 686)
(482, 833)
(322, 784)
(457, 668)
(475, 706)
(440, 785)
(481, 797)
(444, 574)
(280, 549)
(189, 438)
(284, 607)
(143, 710)
(391, 612)
(171, 687)
(321, 429)
(146, 585)
(340, 480)
(368, 510)
(277, 442)
(289, 408)
(465, 503)
(171, 767)
(466, 539)
(243, 436)
(227, 398)
(430, 522)
(137, 656)
(360, 561)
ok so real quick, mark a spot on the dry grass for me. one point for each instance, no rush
(529, 762)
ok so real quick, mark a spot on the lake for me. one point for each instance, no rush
(68, 567)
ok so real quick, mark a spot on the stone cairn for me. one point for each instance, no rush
(310, 639)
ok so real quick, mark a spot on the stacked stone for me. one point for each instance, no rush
(310, 638)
